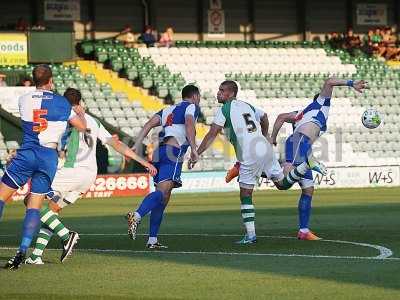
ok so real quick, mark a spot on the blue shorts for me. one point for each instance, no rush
(38, 164)
(297, 148)
(168, 160)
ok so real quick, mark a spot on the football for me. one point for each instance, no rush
(371, 118)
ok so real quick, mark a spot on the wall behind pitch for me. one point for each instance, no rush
(179, 14)
(276, 17)
(114, 15)
(326, 16)
(11, 11)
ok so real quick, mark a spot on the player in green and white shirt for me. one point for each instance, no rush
(246, 128)
(74, 177)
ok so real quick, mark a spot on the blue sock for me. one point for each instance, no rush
(155, 219)
(30, 228)
(304, 210)
(151, 201)
(2, 203)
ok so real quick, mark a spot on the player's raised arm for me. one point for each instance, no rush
(123, 149)
(150, 124)
(280, 120)
(331, 82)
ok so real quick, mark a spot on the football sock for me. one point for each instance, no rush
(304, 210)
(295, 175)
(151, 201)
(248, 215)
(155, 220)
(2, 203)
(50, 219)
(42, 240)
(29, 228)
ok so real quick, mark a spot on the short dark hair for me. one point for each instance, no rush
(73, 96)
(232, 86)
(41, 75)
(189, 91)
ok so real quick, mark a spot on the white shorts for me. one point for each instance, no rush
(249, 173)
(71, 183)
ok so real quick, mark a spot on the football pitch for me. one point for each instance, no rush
(359, 257)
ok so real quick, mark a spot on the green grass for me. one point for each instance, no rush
(359, 215)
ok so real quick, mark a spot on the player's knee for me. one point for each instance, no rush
(54, 207)
(308, 191)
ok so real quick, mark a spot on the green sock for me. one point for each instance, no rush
(248, 215)
(295, 175)
(42, 240)
(50, 219)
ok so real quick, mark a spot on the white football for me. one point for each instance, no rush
(371, 118)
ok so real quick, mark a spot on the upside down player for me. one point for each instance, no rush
(308, 125)
(179, 132)
(74, 178)
(44, 118)
(247, 130)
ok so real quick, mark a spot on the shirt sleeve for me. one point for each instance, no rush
(259, 113)
(104, 136)
(321, 100)
(190, 110)
(219, 118)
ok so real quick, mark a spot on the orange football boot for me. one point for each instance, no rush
(232, 172)
(307, 236)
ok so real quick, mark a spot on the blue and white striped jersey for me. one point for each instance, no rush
(316, 112)
(172, 119)
(44, 117)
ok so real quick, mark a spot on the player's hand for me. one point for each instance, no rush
(152, 170)
(61, 154)
(360, 85)
(191, 164)
(79, 110)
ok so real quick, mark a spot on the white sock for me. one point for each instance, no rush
(304, 230)
(152, 240)
(250, 229)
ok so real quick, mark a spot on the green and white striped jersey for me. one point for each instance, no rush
(81, 147)
(241, 122)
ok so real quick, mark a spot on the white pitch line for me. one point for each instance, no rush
(225, 254)
(384, 253)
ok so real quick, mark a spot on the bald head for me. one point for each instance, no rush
(227, 91)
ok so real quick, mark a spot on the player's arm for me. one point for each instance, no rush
(150, 124)
(265, 126)
(331, 82)
(78, 119)
(280, 120)
(123, 149)
(190, 128)
(209, 138)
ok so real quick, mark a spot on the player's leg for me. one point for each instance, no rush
(303, 161)
(247, 180)
(17, 174)
(157, 214)
(5, 194)
(304, 207)
(248, 214)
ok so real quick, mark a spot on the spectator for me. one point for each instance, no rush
(389, 42)
(368, 45)
(26, 81)
(39, 26)
(22, 25)
(352, 42)
(3, 82)
(335, 40)
(167, 38)
(147, 37)
(126, 36)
